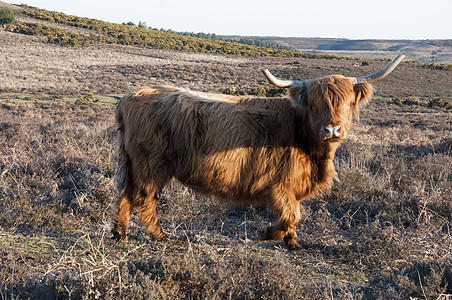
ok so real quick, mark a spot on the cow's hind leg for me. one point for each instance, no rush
(124, 210)
(146, 204)
(149, 216)
(286, 227)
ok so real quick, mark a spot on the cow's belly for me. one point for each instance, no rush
(234, 174)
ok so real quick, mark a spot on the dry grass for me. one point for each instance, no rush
(382, 232)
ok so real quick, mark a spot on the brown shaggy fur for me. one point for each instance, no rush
(244, 149)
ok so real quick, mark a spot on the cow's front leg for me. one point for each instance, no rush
(281, 231)
(286, 227)
(291, 239)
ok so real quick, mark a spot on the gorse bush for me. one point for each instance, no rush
(408, 101)
(87, 98)
(232, 91)
(139, 36)
(123, 34)
(432, 102)
(262, 91)
(54, 35)
(6, 16)
(439, 66)
(397, 100)
(440, 102)
(266, 91)
(411, 101)
(213, 36)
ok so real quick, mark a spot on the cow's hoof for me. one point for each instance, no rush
(291, 243)
(264, 235)
(161, 238)
(118, 237)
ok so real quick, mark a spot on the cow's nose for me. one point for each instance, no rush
(333, 131)
(337, 131)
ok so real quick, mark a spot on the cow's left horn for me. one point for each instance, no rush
(283, 83)
(382, 73)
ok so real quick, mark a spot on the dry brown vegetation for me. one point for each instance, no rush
(383, 232)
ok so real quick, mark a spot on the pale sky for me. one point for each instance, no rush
(353, 19)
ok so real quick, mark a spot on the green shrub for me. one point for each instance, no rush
(265, 91)
(411, 100)
(259, 91)
(439, 66)
(439, 102)
(87, 98)
(6, 16)
(232, 91)
(125, 34)
(397, 100)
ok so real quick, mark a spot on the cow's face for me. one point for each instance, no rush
(328, 106)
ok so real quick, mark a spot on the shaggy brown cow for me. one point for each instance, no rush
(271, 151)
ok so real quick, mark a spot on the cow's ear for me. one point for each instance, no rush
(298, 95)
(363, 93)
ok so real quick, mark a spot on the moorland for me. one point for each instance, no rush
(382, 232)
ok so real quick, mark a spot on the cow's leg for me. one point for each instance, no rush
(286, 227)
(149, 216)
(124, 210)
(146, 204)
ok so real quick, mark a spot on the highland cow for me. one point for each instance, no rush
(243, 149)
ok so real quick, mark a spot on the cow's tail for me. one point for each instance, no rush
(121, 177)
(122, 172)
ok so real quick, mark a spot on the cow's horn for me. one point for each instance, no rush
(369, 78)
(382, 73)
(283, 83)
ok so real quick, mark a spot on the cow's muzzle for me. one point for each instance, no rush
(332, 132)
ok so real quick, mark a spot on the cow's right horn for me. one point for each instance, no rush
(382, 73)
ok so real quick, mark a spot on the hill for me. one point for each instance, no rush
(426, 51)
(72, 31)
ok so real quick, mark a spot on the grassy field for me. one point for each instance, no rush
(383, 232)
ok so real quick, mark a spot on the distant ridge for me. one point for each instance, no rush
(427, 51)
